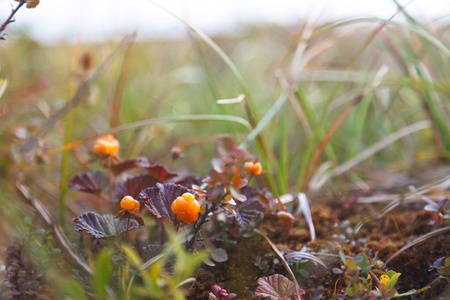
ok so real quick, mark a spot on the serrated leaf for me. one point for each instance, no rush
(89, 182)
(245, 212)
(133, 186)
(276, 287)
(102, 226)
(158, 199)
(151, 251)
(219, 255)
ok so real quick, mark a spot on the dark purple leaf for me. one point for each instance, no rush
(219, 255)
(151, 251)
(159, 172)
(102, 226)
(133, 186)
(89, 182)
(158, 199)
(246, 211)
(129, 164)
(276, 287)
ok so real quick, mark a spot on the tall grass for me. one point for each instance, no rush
(315, 95)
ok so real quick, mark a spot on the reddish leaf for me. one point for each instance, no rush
(128, 164)
(133, 186)
(276, 287)
(159, 172)
(246, 211)
(102, 226)
(227, 150)
(89, 182)
(158, 199)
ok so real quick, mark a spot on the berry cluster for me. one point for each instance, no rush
(128, 203)
(186, 208)
(106, 145)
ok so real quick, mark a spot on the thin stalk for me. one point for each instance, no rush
(11, 16)
(67, 136)
(128, 227)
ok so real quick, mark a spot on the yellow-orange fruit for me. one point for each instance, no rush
(253, 168)
(193, 208)
(128, 203)
(188, 197)
(106, 145)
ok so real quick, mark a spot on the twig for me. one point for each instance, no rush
(11, 16)
(189, 246)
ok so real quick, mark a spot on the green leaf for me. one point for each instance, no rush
(102, 273)
(132, 255)
(73, 289)
(412, 292)
(351, 264)
(393, 276)
(342, 255)
(447, 262)
(219, 255)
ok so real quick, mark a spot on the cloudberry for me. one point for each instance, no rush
(128, 203)
(186, 208)
(253, 168)
(106, 145)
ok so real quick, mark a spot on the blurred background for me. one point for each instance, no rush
(54, 21)
(342, 94)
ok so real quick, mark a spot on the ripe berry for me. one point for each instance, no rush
(186, 208)
(253, 168)
(128, 203)
(193, 208)
(188, 197)
(106, 145)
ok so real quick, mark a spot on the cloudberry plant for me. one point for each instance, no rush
(129, 203)
(253, 168)
(186, 208)
(106, 145)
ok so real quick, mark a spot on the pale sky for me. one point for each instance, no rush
(92, 20)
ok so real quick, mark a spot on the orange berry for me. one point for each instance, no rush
(193, 208)
(188, 197)
(136, 210)
(128, 203)
(106, 145)
(183, 216)
(174, 207)
(181, 204)
(137, 204)
(253, 168)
